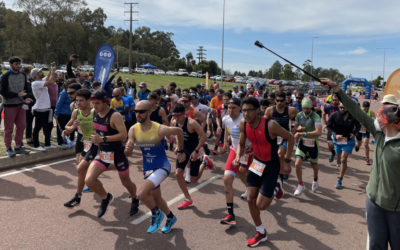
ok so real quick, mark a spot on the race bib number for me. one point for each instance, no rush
(200, 153)
(363, 130)
(309, 142)
(244, 159)
(342, 141)
(87, 145)
(279, 140)
(147, 174)
(107, 157)
(257, 167)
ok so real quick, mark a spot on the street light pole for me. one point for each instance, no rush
(312, 54)
(223, 36)
(384, 56)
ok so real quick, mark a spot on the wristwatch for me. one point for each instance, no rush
(180, 151)
(288, 160)
(197, 151)
(104, 139)
(247, 147)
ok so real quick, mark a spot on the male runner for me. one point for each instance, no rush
(194, 138)
(211, 121)
(216, 102)
(222, 111)
(271, 99)
(71, 90)
(328, 110)
(132, 105)
(297, 104)
(364, 133)
(231, 123)
(203, 109)
(344, 128)
(191, 111)
(308, 128)
(156, 167)
(289, 101)
(109, 134)
(264, 106)
(121, 105)
(282, 114)
(157, 112)
(265, 166)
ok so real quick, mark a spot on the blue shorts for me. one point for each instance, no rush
(339, 148)
(283, 144)
(362, 135)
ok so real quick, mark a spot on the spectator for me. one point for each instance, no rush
(63, 111)
(127, 84)
(29, 117)
(236, 93)
(131, 88)
(163, 93)
(294, 96)
(144, 92)
(42, 108)
(133, 85)
(60, 82)
(96, 85)
(83, 78)
(53, 93)
(1, 73)
(16, 92)
(109, 87)
(120, 83)
(202, 89)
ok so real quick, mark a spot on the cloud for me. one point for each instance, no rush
(358, 51)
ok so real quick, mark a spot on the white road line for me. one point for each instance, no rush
(367, 240)
(179, 197)
(30, 169)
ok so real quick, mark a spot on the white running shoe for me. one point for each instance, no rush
(50, 147)
(244, 196)
(299, 190)
(40, 148)
(73, 142)
(314, 186)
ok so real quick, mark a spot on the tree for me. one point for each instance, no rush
(298, 74)
(214, 69)
(288, 73)
(180, 64)
(275, 72)
(189, 57)
(306, 67)
(203, 66)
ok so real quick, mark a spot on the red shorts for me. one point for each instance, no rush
(230, 169)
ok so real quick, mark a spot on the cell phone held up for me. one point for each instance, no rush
(75, 56)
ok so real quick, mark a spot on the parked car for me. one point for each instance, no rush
(159, 72)
(240, 80)
(148, 72)
(183, 72)
(125, 70)
(138, 70)
(193, 74)
(272, 81)
(171, 73)
(59, 71)
(5, 65)
(45, 67)
(87, 68)
(217, 78)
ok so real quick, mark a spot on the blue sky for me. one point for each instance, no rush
(349, 32)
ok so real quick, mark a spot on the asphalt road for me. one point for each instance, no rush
(33, 215)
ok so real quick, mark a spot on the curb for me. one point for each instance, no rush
(34, 157)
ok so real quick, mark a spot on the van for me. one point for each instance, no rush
(182, 72)
(139, 70)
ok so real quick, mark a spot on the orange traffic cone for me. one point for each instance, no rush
(324, 100)
(318, 95)
(2, 115)
(326, 94)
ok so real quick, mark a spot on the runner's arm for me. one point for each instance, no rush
(242, 142)
(268, 112)
(117, 122)
(330, 125)
(277, 130)
(170, 131)
(200, 131)
(164, 117)
(70, 127)
(130, 143)
(373, 114)
(200, 118)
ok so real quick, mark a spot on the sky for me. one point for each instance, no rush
(349, 31)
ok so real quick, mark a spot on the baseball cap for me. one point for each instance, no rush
(202, 84)
(235, 86)
(35, 71)
(387, 99)
(235, 101)
(260, 87)
(75, 86)
(366, 104)
(142, 84)
(99, 95)
(194, 95)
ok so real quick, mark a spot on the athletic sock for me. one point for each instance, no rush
(340, 178)
(301, 183)
(187, 174)
(170, 215)
(230, 208)
(78, 195)
(216, 147)
(333, 152)
(315, 179)
(260, 229)
(155, 211)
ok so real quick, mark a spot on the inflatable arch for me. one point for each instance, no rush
(358, 80)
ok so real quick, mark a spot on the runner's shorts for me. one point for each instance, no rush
(302, 151)
(339, 148)
(158, 175)
(91, 154)
(222, 138)
(363, 135)
(283, 144)
(329, 136)
(120, 161)
(267, 181)
(194, 165)
(230, 169)
(79, 145)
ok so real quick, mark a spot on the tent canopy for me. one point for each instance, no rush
(148, 66)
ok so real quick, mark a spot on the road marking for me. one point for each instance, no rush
(30, 169)
(367, 240)
(179, 197)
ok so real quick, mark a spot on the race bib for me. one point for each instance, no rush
(107, 157)
(363, 130)
(244, 159)
(87, 145)
(200, 153)
(148, 173)
(257, 167)
(309, 142)
(279, 140)
(342, 141)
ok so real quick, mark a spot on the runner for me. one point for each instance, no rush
(222, 111)
(71, 90)
(289, 101)
(271, 99)
(121, 105)
(150, 138)
(231, 123)
(297, 104)
(344, 128)
(212, 123)
(265, 166)
(194, 138)
(316, 102)
(308, 128)
(109, 134)
(132, 105)
(364, 133)
(328, 110)
(216, 102)
(282, 114)
(264, 106)
(203, 109)
(158, 113)
(171, 94)
(192, 112)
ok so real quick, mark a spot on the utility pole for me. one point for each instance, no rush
(384, 58)
(117, 57)
(130, 33)
(201, 54)
(223, 38)
(312, 54)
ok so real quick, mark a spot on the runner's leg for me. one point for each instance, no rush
(252, 194)
(144, 194)
(82, 170)
(160, 202)
(366, 146)
(343, 167)
(128, 184)
(92, 181)
(299, 171)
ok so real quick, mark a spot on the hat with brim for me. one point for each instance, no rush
(34, 72)
(390, 99)
(142, 85)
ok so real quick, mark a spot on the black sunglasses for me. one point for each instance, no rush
(299, 97)
(71, 93)
(280, 100)
(141, 111)
(342, 108)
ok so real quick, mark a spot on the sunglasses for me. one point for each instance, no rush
(280, 100)
(71, 93)
(141, 111)
(299, 97)
(184, 101)
(342, 108)
(177, 115)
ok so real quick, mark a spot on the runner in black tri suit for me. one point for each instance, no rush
(110, 132)
(158, 113)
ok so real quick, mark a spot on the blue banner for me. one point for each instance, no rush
(103, 63)
(356, 80)
(312, 84)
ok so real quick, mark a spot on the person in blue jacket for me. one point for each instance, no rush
(144, 92)
(132, 105)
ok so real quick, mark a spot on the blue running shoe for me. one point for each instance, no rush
(338, 163)
(156, 222)
(338, 184)
(285, 177)
(170, 222)
(331, 158)
(87, 190)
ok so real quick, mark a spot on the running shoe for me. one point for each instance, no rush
(215, 152)
(76, 201)
(367, 161)
(104, 205)
(134, 207)
(63, 146)
(331, 158)
(299, 190)
(357, 149)
(257, 238)
(208, 162)
(314, 186)
(206, 149)
(279, 190)
(170, 222)
(338, 163)
(87, 190)
(50, 147)
(210, 136)
(338, 184)
(244, 196)
(21, 151)
(228, 220)
(285, 177)
(156, 220)
(40, 148)
(10, 153)
(185, 204)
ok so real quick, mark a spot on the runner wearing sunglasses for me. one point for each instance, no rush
(150, 138)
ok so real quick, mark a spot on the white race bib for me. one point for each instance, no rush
(244, 159)
(87, 145)
(257, 167)
(309, 142)
(279, 140)
(107, 157)
(363, 130)
(342, 141)
(200, 153)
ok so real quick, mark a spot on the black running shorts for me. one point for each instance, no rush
(120, 162)
(267, 181)
(194, 165)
